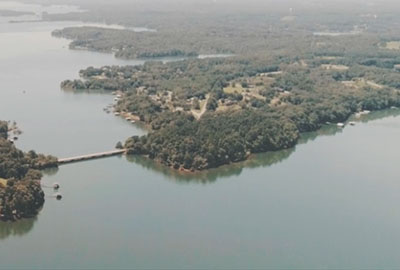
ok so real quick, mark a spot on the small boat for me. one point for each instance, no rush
(341, 125)
(117, 114)
(133, 121)
(58, 196)
(352, 123)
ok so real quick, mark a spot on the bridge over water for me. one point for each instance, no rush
(117, 152)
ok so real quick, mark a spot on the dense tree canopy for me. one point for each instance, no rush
(3, 129)
(206, 113)
(21, 195)
(216, 140)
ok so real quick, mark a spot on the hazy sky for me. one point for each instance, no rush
(296, 6)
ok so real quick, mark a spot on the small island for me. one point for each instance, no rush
(21, 195)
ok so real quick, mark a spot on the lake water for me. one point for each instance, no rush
(332, 202)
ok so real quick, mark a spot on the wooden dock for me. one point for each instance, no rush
(117, 152)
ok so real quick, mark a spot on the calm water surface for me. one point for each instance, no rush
(330, 203)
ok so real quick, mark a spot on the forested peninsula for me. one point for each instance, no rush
(291, 72)
(202, 114)
(120, 42)
(21, 195)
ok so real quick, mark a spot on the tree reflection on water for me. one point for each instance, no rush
(16, 229)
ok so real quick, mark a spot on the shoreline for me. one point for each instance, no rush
(352, 118)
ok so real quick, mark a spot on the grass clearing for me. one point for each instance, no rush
(3, 182)
(393, 45)
(329, 58)
(224, 108)
(234, 89)
(256, 95)
(335, 67)
(361, 83)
